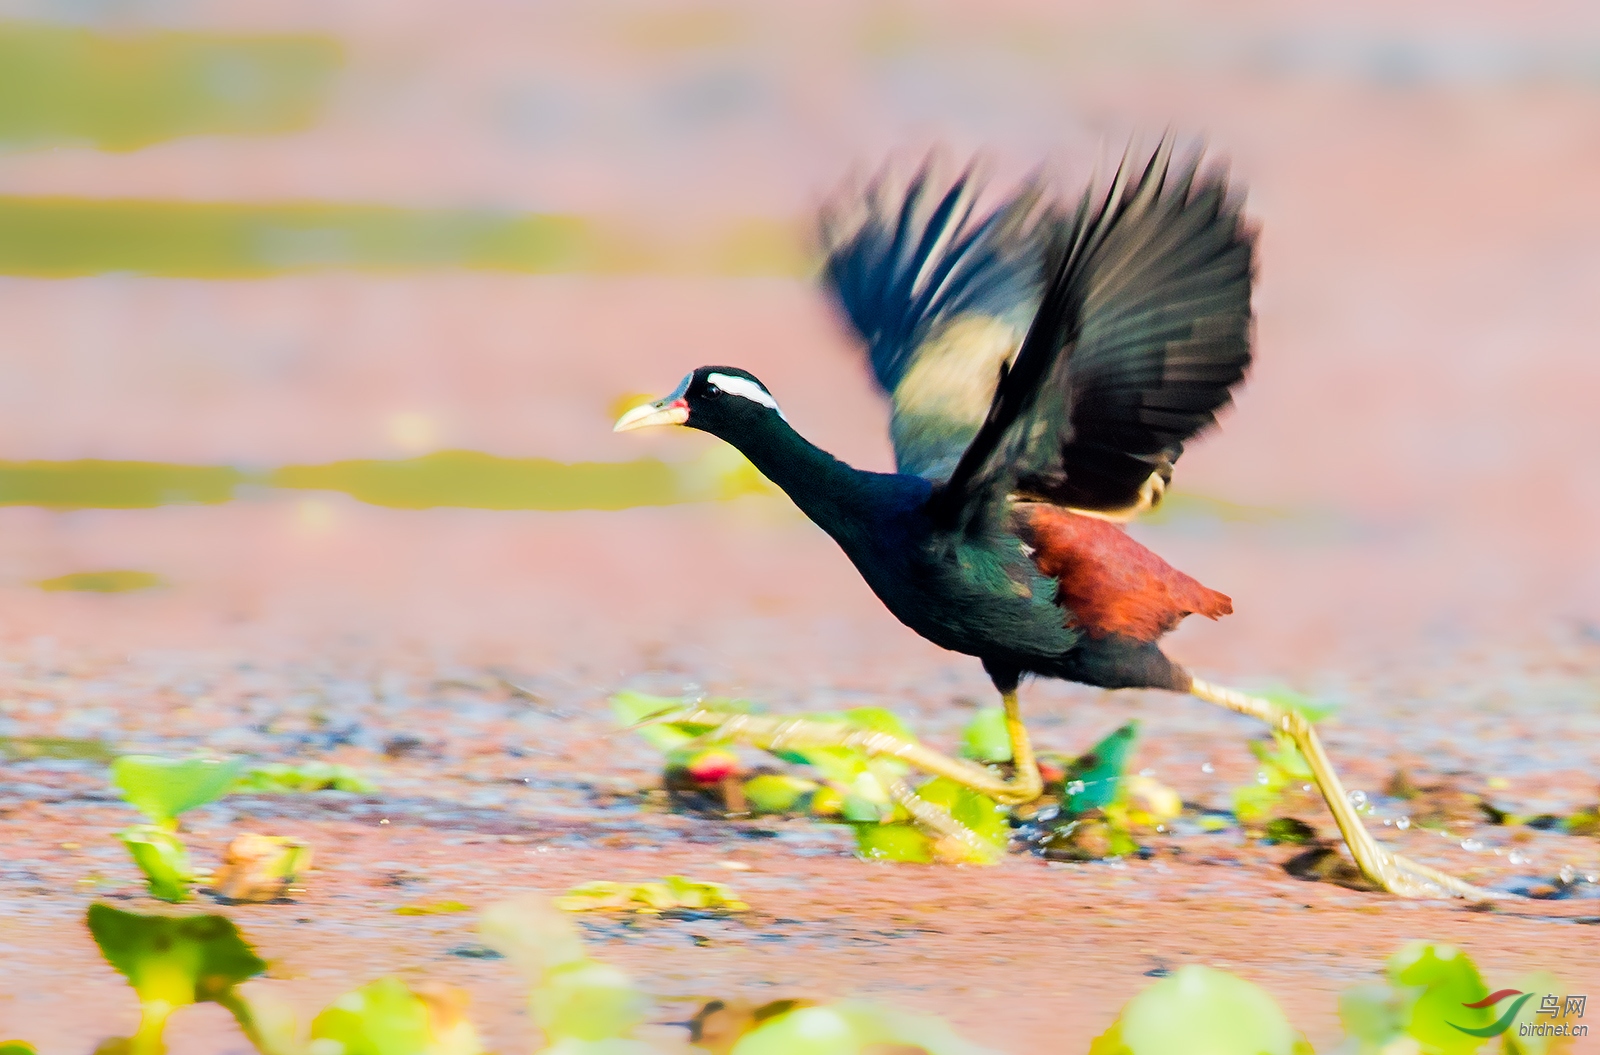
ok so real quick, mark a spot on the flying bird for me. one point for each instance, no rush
(1044, 368)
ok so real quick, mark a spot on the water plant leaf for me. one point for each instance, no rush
(260, 867)
(1442, 980)
(586, 1000)
(986, 738)
(1092, 780)
(1144, 803)
(173, 961)
(1201, 1011)
(853, 1028)
(307, 776)
(1312, 710)
(574, 999)
(432, 908)
(163, 788)
(901, 841)
(673, 892)
(162, 858)
(777, 792)
(981, 815)
(389, 1017)
(531, 933)
(631, 709)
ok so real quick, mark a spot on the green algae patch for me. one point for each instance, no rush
(460, 479)
(25, 748)
(50, 237)
(473, 480)
(123, 91)
(483, 481)
(93, 483)
(114, 581)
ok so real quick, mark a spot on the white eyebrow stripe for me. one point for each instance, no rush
(743, 386)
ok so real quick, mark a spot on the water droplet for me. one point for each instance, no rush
(1075, 787)
(1262, 778)
(1387, 822)
(1358, 799)
(1207, 767)
(1472, 845)
(1147, 772)
(1402, 823)
(1305, 787)
(1517, 857)
(1567, 875)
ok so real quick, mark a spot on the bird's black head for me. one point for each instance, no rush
(722, 400)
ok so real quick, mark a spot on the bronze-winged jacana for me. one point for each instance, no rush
(1044, 369)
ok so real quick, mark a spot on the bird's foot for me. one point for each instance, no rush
(1404, 877)
(794, 734)
(1382, 868)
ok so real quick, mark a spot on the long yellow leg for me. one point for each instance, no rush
(781, 734)
(1396, 874)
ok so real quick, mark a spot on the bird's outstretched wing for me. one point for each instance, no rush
(1141, 333)
(942, 296)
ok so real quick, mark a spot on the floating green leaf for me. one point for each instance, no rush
(174, 961)
(162, 788)
(307, 776)
(986, 738)
(587, 1000)
(388, 1017)
(1091, 781)
(531, 933)
(900, 841)
(162, 858)
(853, 1028)
(432, 908)
(673, 892)
(1442, 980)
(1201, 1011)
(1311, 710)
(777, 792)
(635, 711)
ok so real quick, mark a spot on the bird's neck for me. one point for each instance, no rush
(840, 499)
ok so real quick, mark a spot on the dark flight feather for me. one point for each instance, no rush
(940, 294)
(1142, 331)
